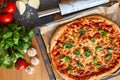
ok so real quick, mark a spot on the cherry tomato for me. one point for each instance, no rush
(6, 18)
(20, 64)
(11, 7)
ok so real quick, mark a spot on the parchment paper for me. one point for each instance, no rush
(112, 13)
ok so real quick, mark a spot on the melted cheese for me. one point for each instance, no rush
(82, 42)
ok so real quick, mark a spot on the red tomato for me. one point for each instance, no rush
(20, 64)
(11, 7)
(1, 2)
(6, 18)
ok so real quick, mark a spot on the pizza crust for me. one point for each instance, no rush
(106, 73)
(58, 33)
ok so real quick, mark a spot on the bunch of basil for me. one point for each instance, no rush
(13, 40)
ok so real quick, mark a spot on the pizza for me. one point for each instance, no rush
(86, 49)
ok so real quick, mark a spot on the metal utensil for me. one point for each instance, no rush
(72, 6)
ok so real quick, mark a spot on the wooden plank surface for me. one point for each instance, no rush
(40, 71)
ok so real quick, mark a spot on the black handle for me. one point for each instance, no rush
(44, 54)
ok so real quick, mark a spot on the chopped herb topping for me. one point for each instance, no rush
(68, 45)
(79, 65)
(92, 40)
(65, 58)
(98, 48)
(109, 50)
(81, 31)
(70, 68)
(108, 57)
(94, 60)
(77, 53)
(102, 32)
(98, 65)
(87, 52)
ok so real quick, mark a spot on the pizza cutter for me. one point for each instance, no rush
(72, 6)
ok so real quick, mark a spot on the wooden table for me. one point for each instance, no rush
(40, 71)
(13, 74)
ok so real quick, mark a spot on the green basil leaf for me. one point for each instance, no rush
(102, 32)
(9, 66)
(13, 26)
(26, 45)
(65, 58)
(7, 35)
(19, 49)
(2, 51)
(9, 41)
(2, 43)
(68, 45)
(99, 48)
(76, 52)
(20, 55)
(108, 56)
(92, 40)
(79, 65)
(26, 38)
(14, 57)
(7, 61)
(5, 30)
(94, 60)
(99, 66)
(31, 33)
(87, 52)
(6, 46)
(70, 68)
(22, 31)
(81, 31)
(16, 38)
(109, 50)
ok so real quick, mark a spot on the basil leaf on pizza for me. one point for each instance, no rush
(92, 40)
(87, 52)
(87, 48)
(68, 45)
(79, 65)
(77, 53)
(65, 58)
(99, 66)
(82, 31)
(109, 50)
(102, 32)
(94, 60)
(99, 48)
(108, 56)
(70, 68)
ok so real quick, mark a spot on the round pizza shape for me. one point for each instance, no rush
(86, 49)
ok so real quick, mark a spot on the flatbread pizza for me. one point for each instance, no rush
(86, 49)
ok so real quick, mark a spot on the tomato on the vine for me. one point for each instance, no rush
(11, 7)
(6, 18)
(20, 64)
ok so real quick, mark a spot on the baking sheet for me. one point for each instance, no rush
(112, 13)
